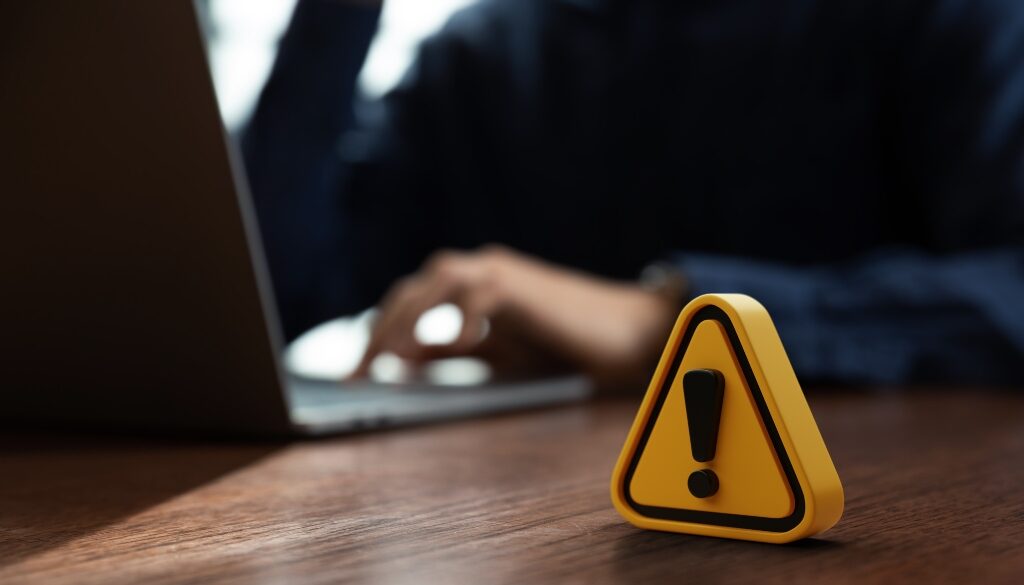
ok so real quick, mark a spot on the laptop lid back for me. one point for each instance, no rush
(132, 284)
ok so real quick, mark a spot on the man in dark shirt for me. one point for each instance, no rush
(856, 165)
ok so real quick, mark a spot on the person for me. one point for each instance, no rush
(856, 165)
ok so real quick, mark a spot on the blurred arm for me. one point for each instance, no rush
(347, 207)
(290, 149)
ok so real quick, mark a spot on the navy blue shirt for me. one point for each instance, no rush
(856, 165)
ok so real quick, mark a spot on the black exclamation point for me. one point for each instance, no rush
(703, 391)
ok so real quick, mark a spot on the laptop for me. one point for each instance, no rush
(134, 291)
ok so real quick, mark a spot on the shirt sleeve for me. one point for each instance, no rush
(290, 147)
(894, 317)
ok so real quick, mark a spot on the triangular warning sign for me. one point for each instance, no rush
(724, 443)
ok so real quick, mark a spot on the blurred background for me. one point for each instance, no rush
(243, 37)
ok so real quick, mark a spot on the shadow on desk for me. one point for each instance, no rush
(662, 556)
(56, 489)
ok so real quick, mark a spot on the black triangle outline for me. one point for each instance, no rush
(713, 313)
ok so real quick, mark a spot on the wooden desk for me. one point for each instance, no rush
(934, 484)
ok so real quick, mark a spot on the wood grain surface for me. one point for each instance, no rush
(934, 493)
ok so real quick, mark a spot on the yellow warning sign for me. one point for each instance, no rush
(724, 443)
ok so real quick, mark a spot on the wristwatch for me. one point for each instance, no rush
(667, 281)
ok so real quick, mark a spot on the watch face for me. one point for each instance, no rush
(666, 280)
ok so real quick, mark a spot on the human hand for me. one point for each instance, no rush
(522, 314)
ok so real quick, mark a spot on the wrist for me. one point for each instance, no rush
(668, 282)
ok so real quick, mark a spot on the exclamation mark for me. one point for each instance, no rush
(703, 391)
